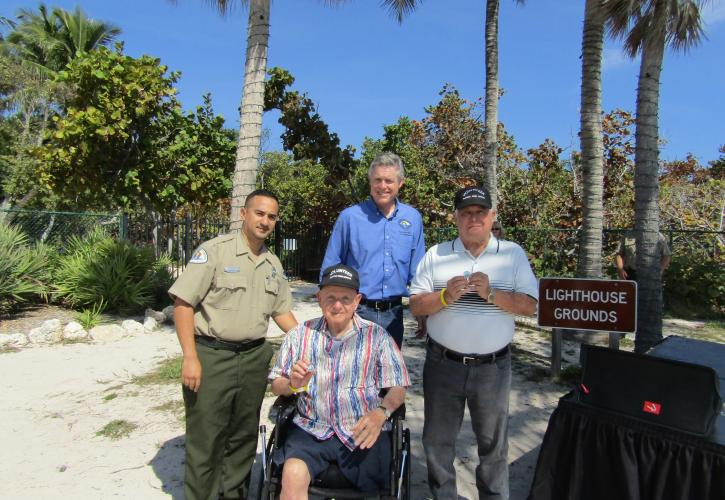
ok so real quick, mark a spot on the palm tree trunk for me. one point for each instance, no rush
(592, 142)
(252, 107)
(646, 189)
(491, 118)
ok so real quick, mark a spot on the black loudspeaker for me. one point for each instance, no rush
(673, 394)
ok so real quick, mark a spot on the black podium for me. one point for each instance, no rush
(592, 454)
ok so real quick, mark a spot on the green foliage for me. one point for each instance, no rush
(98, 268)
(304, 199)
(88, 318)
(198, 154)
(306, 134)
(717, 167)
(696, 286)
(24, 269)
(124, 141)
(48, 40)
(97, 154)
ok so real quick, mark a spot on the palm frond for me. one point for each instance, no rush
(679, 22)
(225, 7)
(400, 8)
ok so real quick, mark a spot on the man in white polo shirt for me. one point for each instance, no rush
(470, 289)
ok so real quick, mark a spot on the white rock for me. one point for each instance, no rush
(169, 314)
(132, 327)
(157, 315)
(107, 333)
(150, 324)
(13, 340)
(74, 331)
(47, 333)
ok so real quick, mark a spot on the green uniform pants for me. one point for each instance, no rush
(222, 421)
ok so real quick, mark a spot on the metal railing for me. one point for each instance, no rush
(552, 251)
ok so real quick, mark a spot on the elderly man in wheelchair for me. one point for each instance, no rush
(336, 366)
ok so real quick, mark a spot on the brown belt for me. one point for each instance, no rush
(228, 345)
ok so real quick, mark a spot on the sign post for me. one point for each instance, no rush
(586, 304)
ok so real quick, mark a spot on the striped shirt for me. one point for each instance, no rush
(471, 325)
(349, 372)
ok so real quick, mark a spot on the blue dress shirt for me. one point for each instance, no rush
(385, 251)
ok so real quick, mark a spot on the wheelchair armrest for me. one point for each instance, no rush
(282, 408)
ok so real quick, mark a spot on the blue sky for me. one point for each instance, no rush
(364, 70)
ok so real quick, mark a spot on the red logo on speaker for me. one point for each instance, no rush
(650, 407)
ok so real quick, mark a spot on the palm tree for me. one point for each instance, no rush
(48, 41)
(492, 96)
(592, 143)
(648, 26)
(41, 43)
(252, 106)
(401, 7)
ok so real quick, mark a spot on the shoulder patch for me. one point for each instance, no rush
(199, 257)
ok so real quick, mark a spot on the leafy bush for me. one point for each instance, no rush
(696, 286)
(88, 318)
(98, 269)
(24, 269)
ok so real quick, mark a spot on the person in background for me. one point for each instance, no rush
(626, 257)
(497, 230)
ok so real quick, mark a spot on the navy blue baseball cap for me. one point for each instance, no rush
(472, 196)
(341, 275)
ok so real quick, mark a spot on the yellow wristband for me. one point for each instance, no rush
(295, 390)
(443, 299)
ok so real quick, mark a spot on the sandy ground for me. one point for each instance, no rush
(56, 398)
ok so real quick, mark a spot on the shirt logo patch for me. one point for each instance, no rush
(199, 257)
(231, 269)
(405, 223)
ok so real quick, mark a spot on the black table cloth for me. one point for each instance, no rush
(592, 454)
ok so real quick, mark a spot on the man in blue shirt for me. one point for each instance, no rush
(381, 238)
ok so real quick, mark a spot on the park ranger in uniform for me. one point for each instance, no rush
(222, 305)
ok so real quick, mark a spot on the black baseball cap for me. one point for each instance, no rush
(472, 196)
(341, 275)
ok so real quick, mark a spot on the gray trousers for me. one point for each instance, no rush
(448, 386)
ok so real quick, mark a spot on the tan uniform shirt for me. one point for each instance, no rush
(233, 294)
(628, 249)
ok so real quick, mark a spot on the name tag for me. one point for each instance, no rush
(231, 269)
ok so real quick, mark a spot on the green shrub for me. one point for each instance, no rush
(24, 269)
(696, 286)
(88, 318)
(97, 268)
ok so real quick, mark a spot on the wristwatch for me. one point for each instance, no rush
(491, 295)
(387, 412)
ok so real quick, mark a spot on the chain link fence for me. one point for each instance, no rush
(57, 227)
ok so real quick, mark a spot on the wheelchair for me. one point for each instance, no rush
(331, 484)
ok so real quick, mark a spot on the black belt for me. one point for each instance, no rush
(228, 345)
(382, 304)
(468, 359)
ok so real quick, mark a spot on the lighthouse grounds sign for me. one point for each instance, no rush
(584, 304)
